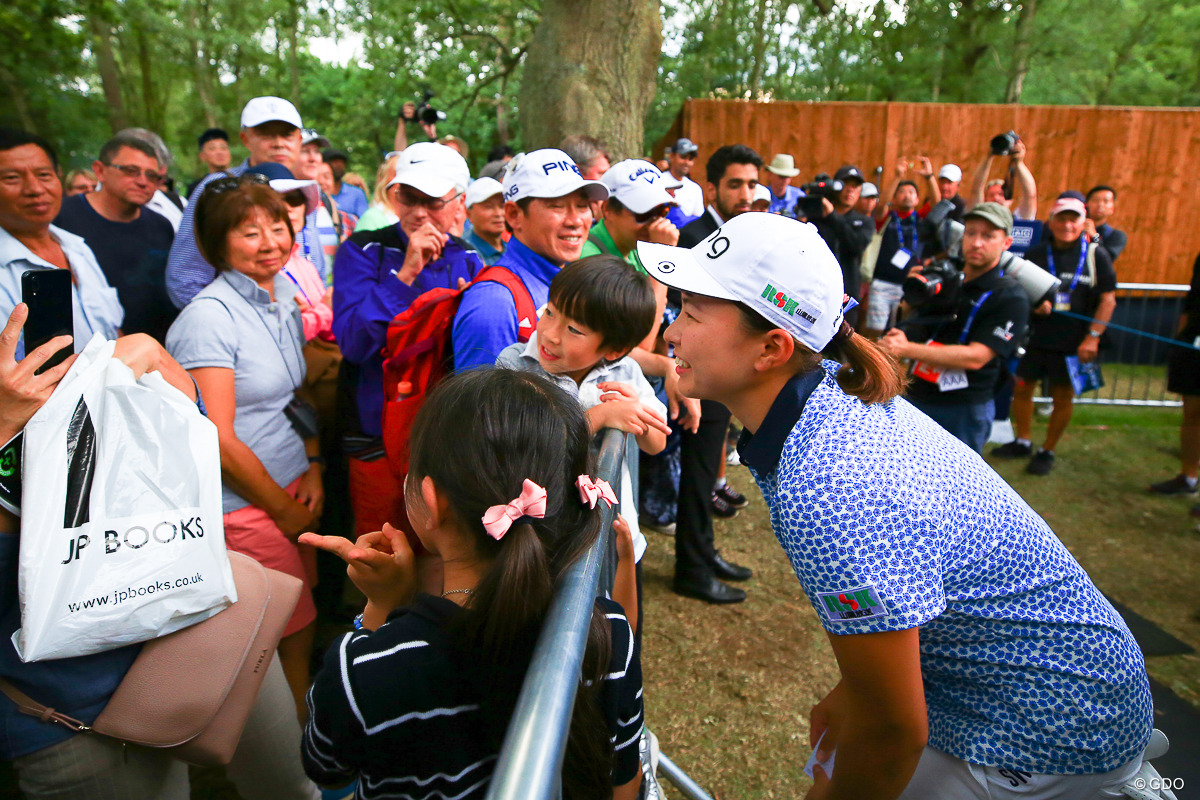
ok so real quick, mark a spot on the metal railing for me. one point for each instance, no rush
(1134, 363)
(530, 762)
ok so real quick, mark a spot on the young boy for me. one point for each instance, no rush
(599, 309)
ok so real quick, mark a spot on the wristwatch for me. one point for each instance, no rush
(1095, 334)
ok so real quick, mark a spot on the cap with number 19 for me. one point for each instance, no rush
(781, 268)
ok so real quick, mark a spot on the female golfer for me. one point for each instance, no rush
(977, 658)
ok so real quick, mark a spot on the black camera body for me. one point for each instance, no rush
(1003, 144)
(935, 288)
(820, 188)
(425, 112)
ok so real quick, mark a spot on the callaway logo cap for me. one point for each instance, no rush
(483, 189)
(547, 173)
(638, 185)
(432, 169)
(270, 109)
(779, 267)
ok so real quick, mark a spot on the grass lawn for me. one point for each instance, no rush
(728, 689)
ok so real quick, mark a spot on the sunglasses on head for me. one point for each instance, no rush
(222, 185)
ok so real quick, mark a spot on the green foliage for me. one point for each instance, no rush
(179, 66)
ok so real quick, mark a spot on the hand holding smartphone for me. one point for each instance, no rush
(47, 292)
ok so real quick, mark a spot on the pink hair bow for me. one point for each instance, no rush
(532, 503)
(591, 492)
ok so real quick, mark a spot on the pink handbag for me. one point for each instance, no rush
(224, 658)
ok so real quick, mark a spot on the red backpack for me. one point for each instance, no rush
(418, 354)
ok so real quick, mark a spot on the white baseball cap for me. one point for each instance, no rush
(547, 173)
(483, 189)
(309, 189)
(761, 192)
(950, 172)
(270, 109)
(779, 267)
(431, 168)
(869, 190)
(638, 185)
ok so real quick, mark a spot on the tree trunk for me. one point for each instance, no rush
(293, 48)
(1021, 52)
(591, 69)
(759, 49)
(17, 92)
(110, 74)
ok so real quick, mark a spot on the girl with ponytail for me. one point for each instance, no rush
(417, 701)
(893, 526)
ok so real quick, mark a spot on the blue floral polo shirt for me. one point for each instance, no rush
(891, 523)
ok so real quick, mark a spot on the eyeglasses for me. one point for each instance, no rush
(651, 215)
(130, 171)
(433, 205)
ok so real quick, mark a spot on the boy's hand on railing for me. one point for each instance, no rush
(624, 537)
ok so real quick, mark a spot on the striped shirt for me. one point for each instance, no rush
(411, 716)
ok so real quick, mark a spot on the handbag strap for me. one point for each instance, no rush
(27, 705)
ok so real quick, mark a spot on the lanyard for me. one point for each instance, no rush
(300, 288)
(962, 337)
(1083, 251)
(912, 248)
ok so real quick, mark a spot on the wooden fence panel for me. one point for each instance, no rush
(1151, 156)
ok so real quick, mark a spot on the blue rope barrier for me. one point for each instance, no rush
(1134, 331)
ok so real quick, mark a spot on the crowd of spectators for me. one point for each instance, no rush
(267, 291)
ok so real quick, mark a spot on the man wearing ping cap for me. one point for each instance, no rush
(956, 363)
(546, 207)
(378, 275)
(271, 132)
(939, 588)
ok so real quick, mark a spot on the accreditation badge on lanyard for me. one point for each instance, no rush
(1062, 300)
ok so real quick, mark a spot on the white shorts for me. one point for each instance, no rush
(940, 776)
(882, 302)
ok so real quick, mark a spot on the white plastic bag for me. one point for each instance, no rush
(122, 538)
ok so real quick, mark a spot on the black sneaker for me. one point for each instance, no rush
(732, 496)
(1041, 463)
(1013, 449)
(721, 507)
(1177, 485)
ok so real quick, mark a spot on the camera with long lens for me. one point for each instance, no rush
(822, 187)
(935, 288)
(1003, 144)
(425, 112)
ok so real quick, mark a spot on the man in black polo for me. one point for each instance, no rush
(955, 370)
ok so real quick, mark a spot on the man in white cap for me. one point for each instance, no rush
(949, 181)
(1064, 333)
(546, 208)
(485, 212)
(784, 196)
(271, 132)
(636, 211)
(379, 274)
(867, 199)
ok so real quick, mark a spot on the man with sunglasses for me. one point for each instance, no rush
(271, 132)
(378, 275)
(130, 240)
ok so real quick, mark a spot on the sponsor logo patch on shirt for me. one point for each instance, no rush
(851, 604)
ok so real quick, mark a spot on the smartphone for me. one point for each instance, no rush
(47, 292)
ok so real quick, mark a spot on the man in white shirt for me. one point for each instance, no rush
(689, 196)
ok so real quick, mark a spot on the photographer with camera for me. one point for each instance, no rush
(901, 248)
(420, 112)
(1007, 144)
(829, 206)
(971, 321)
